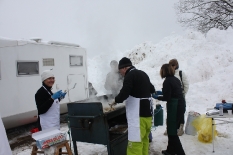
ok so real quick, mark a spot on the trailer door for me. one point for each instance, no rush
(78, 92)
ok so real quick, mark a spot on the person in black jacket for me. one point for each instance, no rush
(172, 93)
(136, 90)
(48, 103)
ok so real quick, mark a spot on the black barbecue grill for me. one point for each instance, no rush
(88, 123)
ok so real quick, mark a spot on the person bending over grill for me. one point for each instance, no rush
(136, 90)
(48, 103)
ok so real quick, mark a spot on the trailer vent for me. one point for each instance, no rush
(48, 62)
(62, 43)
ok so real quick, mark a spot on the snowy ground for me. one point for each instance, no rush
(206, 60)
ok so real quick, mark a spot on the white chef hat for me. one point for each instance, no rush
(46, 74)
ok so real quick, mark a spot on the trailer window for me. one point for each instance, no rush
(48, 62)
(76, 60)
(27, 68)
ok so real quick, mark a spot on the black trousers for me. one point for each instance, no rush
(174, 146)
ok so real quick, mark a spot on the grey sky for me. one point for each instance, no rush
(97, 25)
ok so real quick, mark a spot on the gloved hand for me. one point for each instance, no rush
(57, 95)
(63, 95)
(155, 96)
(159, 92)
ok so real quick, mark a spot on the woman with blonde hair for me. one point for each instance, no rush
(172, 93)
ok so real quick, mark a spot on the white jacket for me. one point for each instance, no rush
(184, 79)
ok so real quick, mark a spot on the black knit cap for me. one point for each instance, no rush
(124, 62)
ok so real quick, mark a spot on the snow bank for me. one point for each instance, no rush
(206, 60)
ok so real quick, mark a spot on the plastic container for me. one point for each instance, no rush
(158, 115)
(229, 112)
(189, 128)
(221, 110)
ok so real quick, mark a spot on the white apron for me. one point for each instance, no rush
(52, 117)
(132, 106)
(4, 144)
(133, 118)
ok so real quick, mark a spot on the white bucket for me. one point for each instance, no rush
(189, 128)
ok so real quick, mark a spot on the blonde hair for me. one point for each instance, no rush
(166, 70)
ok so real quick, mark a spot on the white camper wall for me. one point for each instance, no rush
(17, 92)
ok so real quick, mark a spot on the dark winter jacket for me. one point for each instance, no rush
(172, 89)
(137, 84)
(43, 99)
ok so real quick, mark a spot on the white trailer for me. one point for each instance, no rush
(22, 62)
